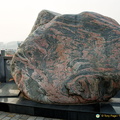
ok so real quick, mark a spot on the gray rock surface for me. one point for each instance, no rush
(69, 59)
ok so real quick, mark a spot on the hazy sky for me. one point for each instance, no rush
(18, 16)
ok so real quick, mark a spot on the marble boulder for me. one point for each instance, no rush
(69, 59)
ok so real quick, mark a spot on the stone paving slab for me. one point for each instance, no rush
(14, 116)
(9, 90)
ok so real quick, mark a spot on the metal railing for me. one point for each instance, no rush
(5, 73)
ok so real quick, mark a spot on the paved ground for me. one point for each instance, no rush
(14, 116)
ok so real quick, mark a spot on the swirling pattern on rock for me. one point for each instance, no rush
(69, 59)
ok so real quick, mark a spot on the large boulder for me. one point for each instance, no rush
(69, 59)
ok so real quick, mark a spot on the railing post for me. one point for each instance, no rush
(2, 67)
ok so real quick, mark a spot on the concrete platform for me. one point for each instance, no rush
(69, 112)
(9, 90)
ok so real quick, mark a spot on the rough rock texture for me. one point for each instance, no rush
(69, 59)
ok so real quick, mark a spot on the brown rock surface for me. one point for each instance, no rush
(69, 59)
